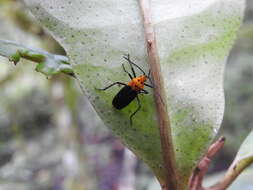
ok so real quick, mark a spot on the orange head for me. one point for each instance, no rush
(137, 83)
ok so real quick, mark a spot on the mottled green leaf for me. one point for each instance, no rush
(194, 38)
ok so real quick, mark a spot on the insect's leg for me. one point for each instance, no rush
(131, 77)
(143, 91)
(119, 83)
(139, 107)
(148, 85)
(132, 63)
(127, 57)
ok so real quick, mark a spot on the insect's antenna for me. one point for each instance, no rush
(149, 77)
(149, 74)
(127, 57)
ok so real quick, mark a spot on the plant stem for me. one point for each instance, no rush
(232, 173)
(171, 179)
(195, 182)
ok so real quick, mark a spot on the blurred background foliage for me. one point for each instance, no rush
(51, 138)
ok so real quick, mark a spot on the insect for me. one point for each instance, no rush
(130, 90)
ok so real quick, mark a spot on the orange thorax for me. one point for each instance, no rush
(137, 83)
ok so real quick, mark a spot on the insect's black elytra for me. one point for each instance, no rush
(124, 97)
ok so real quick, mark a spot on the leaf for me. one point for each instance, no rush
(244, 156)
(194, 38)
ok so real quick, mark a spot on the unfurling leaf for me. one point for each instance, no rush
(48, 64)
